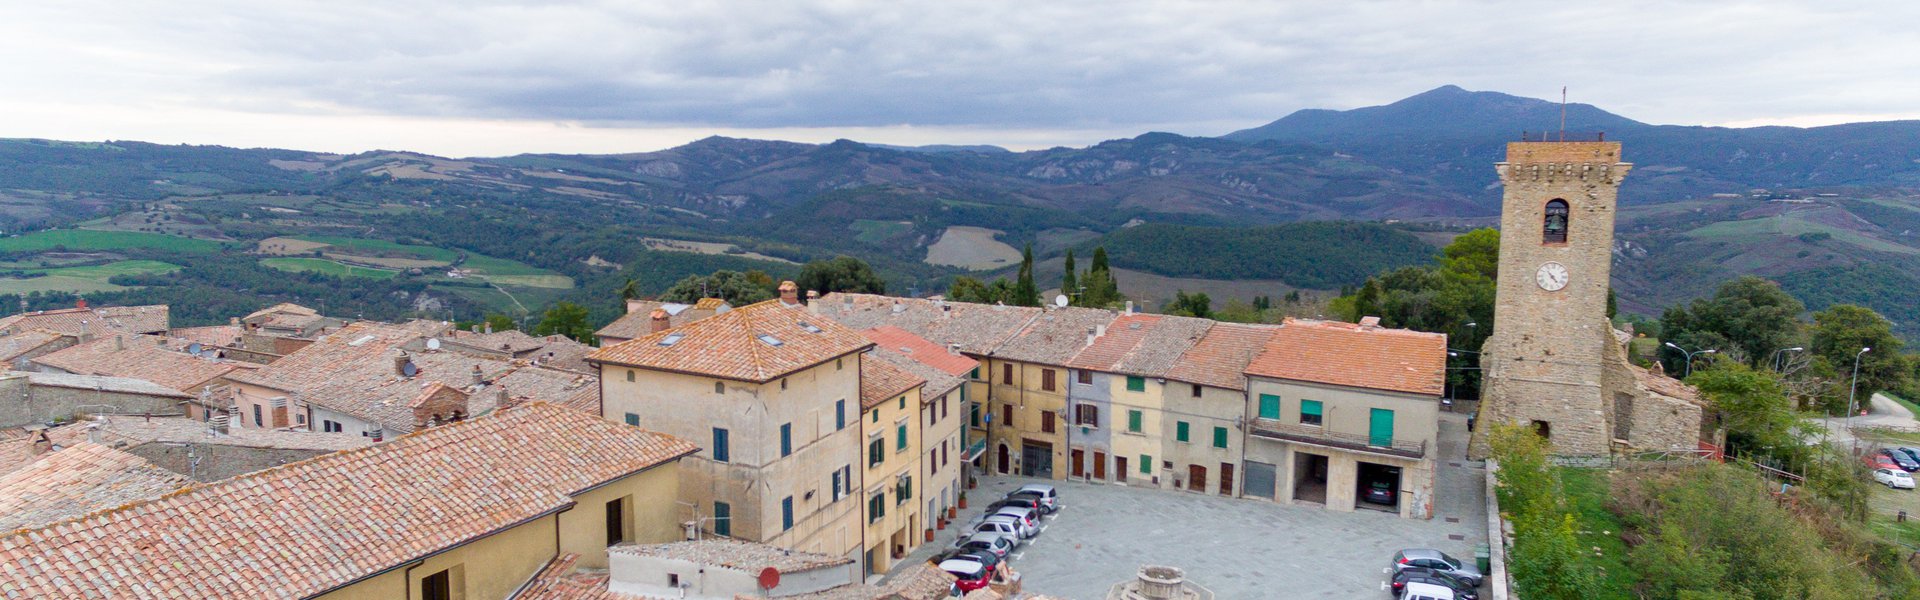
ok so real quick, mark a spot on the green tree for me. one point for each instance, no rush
(968, 289)
(629, 291)
(1025, 292)
(1753, 405)
(1746, 320)
(738, 289)
(1069, 281)
(1196, 304)
(1840, 331)
(500, 322)
(1102, 291)
(1453, 296)
(568, 319)
(842, 274)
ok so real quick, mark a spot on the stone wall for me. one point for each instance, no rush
(217, 461)
(23, 404)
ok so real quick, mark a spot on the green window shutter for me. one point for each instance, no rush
(633, 419)
(1180, 431)
(1146, 465)
(1219, 437)
(722, 518)
(901, 434)
(1136, 383)
(1269, 406)
(1380, 428)
(903, 403)
(720, 450)
(1133, 421)
(1310, 407)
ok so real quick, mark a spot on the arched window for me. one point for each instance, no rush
(1555, 231)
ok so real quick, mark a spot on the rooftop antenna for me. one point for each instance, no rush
(1563, 113)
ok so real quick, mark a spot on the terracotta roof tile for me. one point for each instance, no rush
(23, 342)
(1221, 357)
(92, 320)
(78, 480)
(1054, 336)
(127, 385)
(283, 308)
(212, 335)
(1352, 355)
(747, 557)
(977, 328)
(331, 520)
(756, 343)
(942, 369)
(1664, 385)
(139, 357)
(1141, 344)
(881, 380)
(558, 581)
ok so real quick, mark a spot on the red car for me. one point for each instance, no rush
(1875, 461)
(971, 575)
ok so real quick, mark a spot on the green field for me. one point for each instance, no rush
(497, 270)
(874, 232)
(1789, 225)
(379, 247)
(328, 267)
(87, 239)
(82, 280)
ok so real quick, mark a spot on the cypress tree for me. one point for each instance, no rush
(1069, 283)
(1024, 291)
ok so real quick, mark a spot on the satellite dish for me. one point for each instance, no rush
(409, 369)
(193, 348)
(769, 578)
(1060, 301)
(433, 343)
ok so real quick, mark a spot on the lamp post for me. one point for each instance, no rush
(1852, 389)
(1777, 365)
(1689, 356)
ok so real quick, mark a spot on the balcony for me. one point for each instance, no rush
(1320, 436)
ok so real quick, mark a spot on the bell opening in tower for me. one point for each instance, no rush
(1555, 231)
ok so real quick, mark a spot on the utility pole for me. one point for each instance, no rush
(1852, 389)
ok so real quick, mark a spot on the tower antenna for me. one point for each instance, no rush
(1563, 113)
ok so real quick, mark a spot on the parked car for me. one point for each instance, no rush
(1026, 502)
(971, 574)
(1427, 591)
(997, 543)
(1880, 461)
(1000, 526)
(1029, 522)
(1913, 453)
(1048, 497)
(1438, 561)
(1893, 478)
(1379, 492)
(1900, 458)
(1460, 587)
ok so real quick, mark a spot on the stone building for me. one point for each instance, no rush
(889, 426)
(1554, 361)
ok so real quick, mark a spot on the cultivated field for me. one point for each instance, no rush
(87, 239)
(971, 248)
(874, 232)
(82, 280)
(667, 245)
(321, 265)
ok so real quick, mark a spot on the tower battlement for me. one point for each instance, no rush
(1527, 153)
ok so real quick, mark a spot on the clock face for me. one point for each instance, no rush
(1551, 277)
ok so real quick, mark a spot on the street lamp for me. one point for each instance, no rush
(1689, 355)
(1854, 387)
(1777, 365)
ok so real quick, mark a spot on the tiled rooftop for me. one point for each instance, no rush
(755, 343)
(942, 369)
(91, 320)
(559, 581)
(139, 357)
(1664, 385)
(1054, 336)
(78, 480)
(639, 318)
(1220, 358)
(881, 380)
(212, 335)
(331, 520)
(1354, 355)
(1142, 344)
(283, 308)
(748, 557)
(181, 430)
(977, 328)
(125, 385)
(918, 582)
(22, 342)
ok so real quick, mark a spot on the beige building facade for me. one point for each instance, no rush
(890, 434)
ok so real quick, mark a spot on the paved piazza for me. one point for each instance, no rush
(1239, 548)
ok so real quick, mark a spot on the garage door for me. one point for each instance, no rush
(1259, 480)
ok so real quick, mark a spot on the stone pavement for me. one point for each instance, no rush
(1239, 548)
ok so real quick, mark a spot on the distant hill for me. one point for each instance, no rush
(1452, 136)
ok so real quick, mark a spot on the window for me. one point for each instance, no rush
(1219, 437)
(1083, 376)
(836, 364)
(438, 586)
(257, 421)
(1136, 383)
(1554, 229)
(1180, 431)
(1006, 415)
(629, 375)
(1310, 412)
(1006, 374)
(719, 387)
(786, 513)
(904, 490)
(330, 426)
(903, 403)
(633, 419)
(876, 451)
(875, 416)
(1269, 406)
(783, 384)
(786, 439)
(1133, 421)
(900, 437)
(877, 507)
(944, 401)
(1046, 380)
(673, 580)
(974, 374)
(973, 414)
(720, 452)
(616, 521)
(1086, 415)
(838, 486)
(1146, 465)
(1196, 390)
(722, 519)
(1046, 421)
(840, 414)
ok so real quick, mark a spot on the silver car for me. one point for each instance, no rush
(1438, 561)
(1028, 518)
(1006, 527)
(1049, 498)
(999, 544)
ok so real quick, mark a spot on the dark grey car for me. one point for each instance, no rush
(1438, 561)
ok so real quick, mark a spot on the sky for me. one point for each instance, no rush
(489, 78)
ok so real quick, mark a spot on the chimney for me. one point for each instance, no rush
(953, 349)
(478, 376)
(789, 293)
(658, 321)
(81, 303)
(1369, 322)
(812, 295)
(898, 307)
(1091, 336)
(234, 321)
(41, 445)
(119, 342)
(502, 400)
(400, 362)
(86, 333)
(1129, 307)
(487, 327)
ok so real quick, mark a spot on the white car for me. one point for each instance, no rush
(1020, 528)
(1426, 591)
(1001, 526)
(1893, 478)
(1028, 518)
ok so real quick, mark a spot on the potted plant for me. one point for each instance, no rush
(953, 513)
(963, 499)
(929, 534)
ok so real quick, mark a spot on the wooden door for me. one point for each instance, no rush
(1119, 468)
(1226, 479)
(1196, 478)
(1078, 457)
(1003, 460)
(1099, 465)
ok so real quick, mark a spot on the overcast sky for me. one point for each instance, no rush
(481, 77)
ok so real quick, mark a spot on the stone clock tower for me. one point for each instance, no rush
(1545, 365)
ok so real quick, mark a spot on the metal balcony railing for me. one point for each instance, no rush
(1317, 435)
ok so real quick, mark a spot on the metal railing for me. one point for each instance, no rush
(1309, 434)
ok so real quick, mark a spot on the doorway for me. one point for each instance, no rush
(1377, 487)
(1226, 479)
(1079, 458)
(1003, 459)
(1196, 478)
(1119, 469)
(1309, 478)
(1036, 459)
(1099, 465)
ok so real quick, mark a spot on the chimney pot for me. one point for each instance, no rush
(81, 303)
(478, 376)
(1129, 307)
(400, 364)
(119, 343)
(487, 327)
(233, 321)
(658, 321)
(789, 293)
(1369, 322)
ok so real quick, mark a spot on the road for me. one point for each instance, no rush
(1881, 412)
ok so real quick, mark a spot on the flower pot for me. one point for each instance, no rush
(963, 501)
(954, 513)
(940, 524)
(929, 535)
